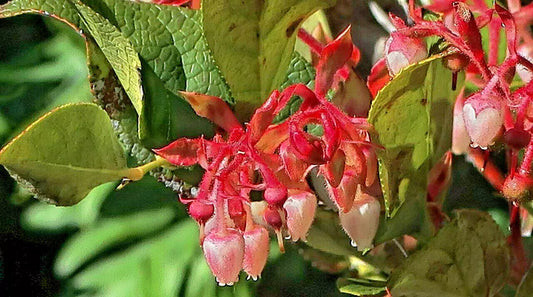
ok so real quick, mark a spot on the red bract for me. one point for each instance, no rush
(276, 157)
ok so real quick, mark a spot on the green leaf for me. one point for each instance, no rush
(168, 38)
(526, 285)
(166, 116)
(326, 234)
(106, 233)
(117, 50)
(171, 41)
(252, 42)
(65, 154)
(299, 71)
(468, 257)
(413, 118)
(361, 287)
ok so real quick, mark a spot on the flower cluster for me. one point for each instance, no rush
(273, 157)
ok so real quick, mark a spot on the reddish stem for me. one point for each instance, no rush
(315, 45)
(494, 41)
(519, 260)
(485, 166)
(525, 167)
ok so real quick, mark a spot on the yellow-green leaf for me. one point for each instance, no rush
(252, 42)
(65, 154)
(413, 117)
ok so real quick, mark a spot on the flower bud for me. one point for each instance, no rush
(300, 209)
(201, 211)
(361, 222)
(516, 187)
(483, 118)
(401, 51)
(224, 253)
(256, 243)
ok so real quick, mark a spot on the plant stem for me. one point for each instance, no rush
(137, 173)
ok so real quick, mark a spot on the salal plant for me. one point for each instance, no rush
(259, 142)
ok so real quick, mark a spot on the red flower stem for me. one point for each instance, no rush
(313, 44)
(491, 173)
(494, 41)
(519, 259)
(440, 30)
(525, 167)
(521, 113)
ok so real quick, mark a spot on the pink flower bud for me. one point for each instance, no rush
(224, 253)
(256, 243)
(300, 209)
(483, 117)
(401, 51)
(361, 222)
(201, 211)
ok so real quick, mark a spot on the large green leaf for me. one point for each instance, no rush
(65, 154)
(468, 257)
(413, 118)
(168, 38)
(252, 42)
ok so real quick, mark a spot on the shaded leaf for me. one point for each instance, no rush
(166, 116)
(252, 42)
(361, 287)
(117, 50)
(526, 285)
(65, 154)
(326, 234)
(468, 257)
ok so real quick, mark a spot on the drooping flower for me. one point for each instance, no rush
(224, 253)
(483, 117)
(300, 209)
(361, 221)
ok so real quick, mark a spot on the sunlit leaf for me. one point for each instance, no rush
(468, 257)
(252, 42)
(65, 154)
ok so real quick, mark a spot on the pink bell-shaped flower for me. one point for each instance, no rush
(361, 222)
(224, 253)
(300, 208)
(256, 244)
(401, 51)
(483, 118)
